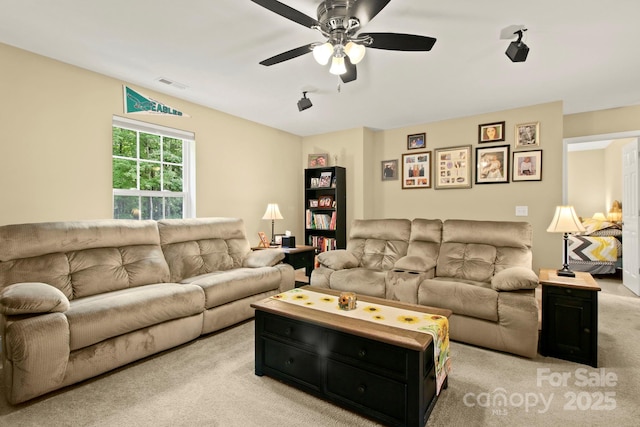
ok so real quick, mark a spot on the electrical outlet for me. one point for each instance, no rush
(522, 210)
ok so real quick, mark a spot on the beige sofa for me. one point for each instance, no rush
(81, 298)
(481, 270)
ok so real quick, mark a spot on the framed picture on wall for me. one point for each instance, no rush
(527, 135)
(389, 170)
(491, 132)
(492, 165)
(527, 165)
(416, 170)
(416, 141)
(453, 167)
(318, 160)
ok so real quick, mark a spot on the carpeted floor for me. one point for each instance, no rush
(210, 382)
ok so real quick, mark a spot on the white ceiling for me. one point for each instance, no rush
(583, 52)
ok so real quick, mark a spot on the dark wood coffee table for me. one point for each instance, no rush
(383, 372)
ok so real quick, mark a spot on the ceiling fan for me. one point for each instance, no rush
(339, 22)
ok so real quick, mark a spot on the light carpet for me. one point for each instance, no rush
(211, 382)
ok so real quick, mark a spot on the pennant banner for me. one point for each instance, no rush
(137, 103)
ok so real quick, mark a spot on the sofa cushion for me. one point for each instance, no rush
(83, 258)
(263, 258)
(511, 242)
(223, 287)
(360, 280)
(379, 243)
(471, 261)
(469, 298)
(130, 309)
(197, 246)
(30, 298)
(514, 278)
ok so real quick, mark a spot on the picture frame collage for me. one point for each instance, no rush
(498, 164)
(453, 167)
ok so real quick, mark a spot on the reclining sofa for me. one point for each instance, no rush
(78, 299)
(481, 270)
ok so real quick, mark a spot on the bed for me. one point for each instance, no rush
(598, 250)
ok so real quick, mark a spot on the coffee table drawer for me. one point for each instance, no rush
(292, 330)
(367, 389)
(374, 353)
(295, 363)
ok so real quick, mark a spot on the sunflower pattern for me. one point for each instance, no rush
(435, 325)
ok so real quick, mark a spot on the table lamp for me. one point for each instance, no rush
(272, 213)
(565, 221)
(615, 214)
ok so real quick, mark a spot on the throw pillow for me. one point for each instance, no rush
(30, 298)
(514, 278)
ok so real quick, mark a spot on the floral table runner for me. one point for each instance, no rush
(434, 324)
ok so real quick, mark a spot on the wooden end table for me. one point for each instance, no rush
(298, 257)
(569, 317)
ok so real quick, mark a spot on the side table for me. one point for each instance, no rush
(299, 257)
(569, 317)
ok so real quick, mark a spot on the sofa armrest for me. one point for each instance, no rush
(414, 264)
(32, 298)
(263, 258)
(514, 278)
(339, 259)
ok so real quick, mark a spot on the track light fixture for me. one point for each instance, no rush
(304, 102)
(517, 50)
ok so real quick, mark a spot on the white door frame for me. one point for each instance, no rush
(589, 138)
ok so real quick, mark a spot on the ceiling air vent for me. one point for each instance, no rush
(168, 82)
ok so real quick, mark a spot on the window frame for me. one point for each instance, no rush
(188, 165)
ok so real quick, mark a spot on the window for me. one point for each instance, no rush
(153, 171)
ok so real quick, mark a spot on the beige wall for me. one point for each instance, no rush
(614, 120)
(55, 149)
(586, 186)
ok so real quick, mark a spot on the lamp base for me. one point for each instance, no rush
(566, 273)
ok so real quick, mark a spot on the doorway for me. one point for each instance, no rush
(630, 267)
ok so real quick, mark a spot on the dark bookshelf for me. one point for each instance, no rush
(325, 223)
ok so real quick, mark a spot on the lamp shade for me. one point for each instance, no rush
(322, 53)
(615, 214)
(337, 66)
(565, 220)
(355, 52)
(272, 212)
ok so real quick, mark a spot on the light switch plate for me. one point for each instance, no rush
(522, 210)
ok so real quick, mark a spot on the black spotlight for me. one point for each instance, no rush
(518, 51)
(304, 102)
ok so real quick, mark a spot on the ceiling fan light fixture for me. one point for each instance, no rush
(355, 52)
(337, 66)
(322, 53)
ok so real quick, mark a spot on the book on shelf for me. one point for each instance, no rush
(320, 221)
(322, 243)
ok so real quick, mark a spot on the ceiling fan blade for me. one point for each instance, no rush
(397, 41)
(285, 56)
(366, 10)
(287, 12)
(352, 72)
